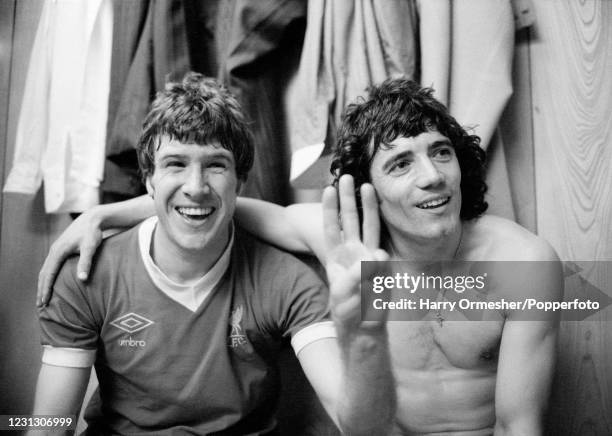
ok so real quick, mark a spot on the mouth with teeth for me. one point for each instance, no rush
(195, 213)
(433, 204)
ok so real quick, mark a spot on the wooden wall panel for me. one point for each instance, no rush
(571, 58)
(572, 67)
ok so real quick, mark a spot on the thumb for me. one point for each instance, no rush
(333, 269)
(381, 255)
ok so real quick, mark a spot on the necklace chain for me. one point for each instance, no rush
(439, 316)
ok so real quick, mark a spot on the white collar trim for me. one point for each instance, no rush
(192, 294)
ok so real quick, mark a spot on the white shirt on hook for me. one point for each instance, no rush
(61, 132)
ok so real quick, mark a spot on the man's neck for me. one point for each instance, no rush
(184, 266)
(446, 247)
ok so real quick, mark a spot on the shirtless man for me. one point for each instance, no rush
(424, 174)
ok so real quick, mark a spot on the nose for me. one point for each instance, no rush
(196, 184)
(429, 174)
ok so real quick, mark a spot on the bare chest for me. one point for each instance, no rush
(429, 345)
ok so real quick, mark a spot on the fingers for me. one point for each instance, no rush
(47, 276)
(54, 261)
(371, 218)
(345, 279)
(349, 216)
(87, 252)
(44, 277)
(346, 298)
(331, 227)
(348, 209)
(344, 282)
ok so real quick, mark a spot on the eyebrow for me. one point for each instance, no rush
(392, 159)
(220, 155)
(409, 153)
(213, 155)
(441, 142)
(171, 156)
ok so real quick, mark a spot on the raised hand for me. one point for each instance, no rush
(347, 246)
(83, 236)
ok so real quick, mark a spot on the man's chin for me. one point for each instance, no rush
(437, 231)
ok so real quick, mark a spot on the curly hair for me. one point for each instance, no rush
(197, 110)
(400, 107)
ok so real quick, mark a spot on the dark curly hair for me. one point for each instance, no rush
(197, 110)
(400, 107)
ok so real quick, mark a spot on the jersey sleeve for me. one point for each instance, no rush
(312, 333)
(69, 332)
(299, 300)
(68, 357)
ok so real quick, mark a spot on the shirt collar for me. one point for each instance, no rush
(190, 294)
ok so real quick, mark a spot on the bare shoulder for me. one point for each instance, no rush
(495, 238)
(526, 264)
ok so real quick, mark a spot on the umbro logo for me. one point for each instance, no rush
(131, 322)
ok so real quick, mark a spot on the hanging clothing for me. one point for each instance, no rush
(161, 54)
(481, 66)
(435, 45)
(62, 124)
(240, 42)
(348, 46)
(257, 40)
(481, 84)
(128, 24)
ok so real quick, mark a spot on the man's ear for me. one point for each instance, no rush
(149, 185)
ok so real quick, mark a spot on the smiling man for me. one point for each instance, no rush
(407, 196)
(403, 158)
(454, 376)
(184, 315)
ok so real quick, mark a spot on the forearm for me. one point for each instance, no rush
(276, 224)
(123, 214)
(59, 392)
(524, 376)
(530, 425)
(367, 402)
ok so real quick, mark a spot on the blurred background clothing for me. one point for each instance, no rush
(531, 77)
(293, 64)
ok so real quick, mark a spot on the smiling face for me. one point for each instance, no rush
(194, 188)
(417, 180)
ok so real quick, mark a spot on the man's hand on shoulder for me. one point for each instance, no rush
(83, 236)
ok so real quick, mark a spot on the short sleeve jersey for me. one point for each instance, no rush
(164, 368)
